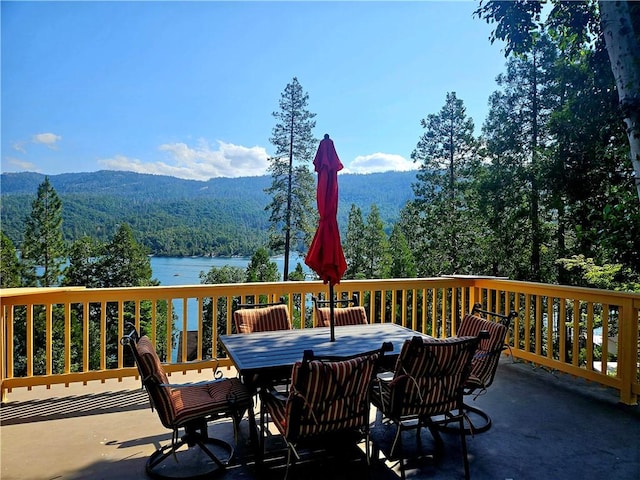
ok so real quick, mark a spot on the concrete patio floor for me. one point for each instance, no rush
(546, 426)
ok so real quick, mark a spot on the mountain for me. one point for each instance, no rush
(173, 216)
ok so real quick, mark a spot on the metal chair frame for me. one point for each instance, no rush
(424, 386)
(195, 429)
(475, 389)
(301, 411)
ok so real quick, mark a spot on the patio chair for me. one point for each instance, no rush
(262, 317)
(427, 383)
(189, 407)
(346, 315)
(329, 400)
(485, 361)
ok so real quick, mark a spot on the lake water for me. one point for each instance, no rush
(186, 270)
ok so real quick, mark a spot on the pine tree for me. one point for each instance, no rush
(85, 257)
(376, 254)
(292, 189)
(403, 264)
(354, 245)
(447, 155)
(518, 145)
(125, 262)
(43, 244)
(261, 268)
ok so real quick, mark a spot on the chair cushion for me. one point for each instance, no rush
(178, 405)
(342, 316)
(485, 360)
(193, 402)
(327, 397)
(426, 381)
(264, 319)
(151, 364)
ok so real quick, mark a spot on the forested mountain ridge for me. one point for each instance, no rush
(172, 216)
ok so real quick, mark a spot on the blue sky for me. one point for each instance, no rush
(188, 88)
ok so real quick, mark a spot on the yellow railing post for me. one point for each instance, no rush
(3, 351)
(628, 352)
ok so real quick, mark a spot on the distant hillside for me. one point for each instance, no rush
(172, 216)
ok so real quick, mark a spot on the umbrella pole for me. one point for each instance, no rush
(331, 313)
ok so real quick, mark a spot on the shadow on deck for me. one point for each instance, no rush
(546, 426)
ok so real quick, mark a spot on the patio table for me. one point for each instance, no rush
(263, 358)
(267, 355)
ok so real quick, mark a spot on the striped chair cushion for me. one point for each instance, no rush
(342, 316)
(178, 405)
(264, 319)
(154, 375)
(487, 356)
(327, 397)
(427, 380)
(192, 402)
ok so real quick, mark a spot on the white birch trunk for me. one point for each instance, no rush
(624, 56)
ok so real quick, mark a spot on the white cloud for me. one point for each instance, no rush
(198, 163)
(48, 139)
(21, 165)
(19, 147)
(379, 162)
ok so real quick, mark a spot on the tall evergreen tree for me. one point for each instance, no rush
(580, 25)
(518, 151)
(504, 199)
(85, 257)
(121, 262)
(446, 153)
(354, 246)
(43, 244)
(125, 262)
(403, 264)
(377, 259)
(292, 188)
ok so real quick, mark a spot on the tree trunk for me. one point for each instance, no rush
(624, 56)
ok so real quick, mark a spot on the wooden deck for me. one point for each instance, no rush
(546, 426)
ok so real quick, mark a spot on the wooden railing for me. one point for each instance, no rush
(65, 335)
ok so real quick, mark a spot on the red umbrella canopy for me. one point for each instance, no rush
(325, 254)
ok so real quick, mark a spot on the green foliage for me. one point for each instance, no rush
(354, 246)
(608, 276)
(43, 245)
(9, 263)
(85, 258)
(120, 262)
(261, 268)
(176, 217)
(512, 179)
(443, 205)
(377, 258)
(217, 275)
(298, 273)
(403, 264)
(126, 262)
(516, 22)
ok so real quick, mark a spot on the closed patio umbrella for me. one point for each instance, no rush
(325, 254)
